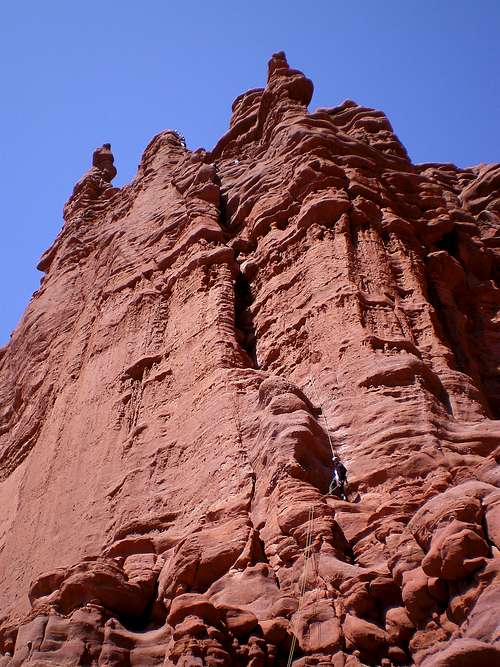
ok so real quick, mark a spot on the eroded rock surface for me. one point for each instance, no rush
(202, 340)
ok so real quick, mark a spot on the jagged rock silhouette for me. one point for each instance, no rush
(201, 341)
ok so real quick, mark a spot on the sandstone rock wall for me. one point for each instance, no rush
(202, 342)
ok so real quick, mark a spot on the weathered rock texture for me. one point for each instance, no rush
(200, 341)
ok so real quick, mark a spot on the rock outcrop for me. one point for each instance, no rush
(202, 342)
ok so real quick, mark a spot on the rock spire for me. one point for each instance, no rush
(208, 344)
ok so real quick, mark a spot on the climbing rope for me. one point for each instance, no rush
(303, 583)
(317, 400)
(310, 528)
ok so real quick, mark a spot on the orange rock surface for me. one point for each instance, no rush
(202, 342)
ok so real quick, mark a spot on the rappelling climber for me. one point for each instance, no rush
(339, 479)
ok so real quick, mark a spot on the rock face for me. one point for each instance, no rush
(202, 341)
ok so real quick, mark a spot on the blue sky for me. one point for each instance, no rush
(75, 75)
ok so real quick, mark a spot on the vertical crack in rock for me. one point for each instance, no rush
(163, 476)
(244, 318)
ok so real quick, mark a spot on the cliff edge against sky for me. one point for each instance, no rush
(202, 342)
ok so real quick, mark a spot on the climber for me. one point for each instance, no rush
(181, 137)
(339, 479)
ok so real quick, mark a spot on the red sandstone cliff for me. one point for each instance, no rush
(201, 340)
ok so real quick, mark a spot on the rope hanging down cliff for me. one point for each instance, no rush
(339, 477)
(303, 583)
(338, 481)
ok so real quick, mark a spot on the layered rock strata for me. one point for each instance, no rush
(202, 342)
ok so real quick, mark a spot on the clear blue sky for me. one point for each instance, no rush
(77, 74)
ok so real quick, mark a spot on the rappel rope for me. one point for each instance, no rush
(310, 532)
(303, 583)
(334, 453)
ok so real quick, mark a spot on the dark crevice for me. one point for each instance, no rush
(87, 659)
(152, 618)
(243, 318)
(282, 654)
(450, 336)
(467, 345)
(448, 331)
(449, 242)
(223, 216)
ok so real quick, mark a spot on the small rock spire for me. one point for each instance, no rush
(103, 159)
(277, 62)
(95, 183)
(284, 81)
